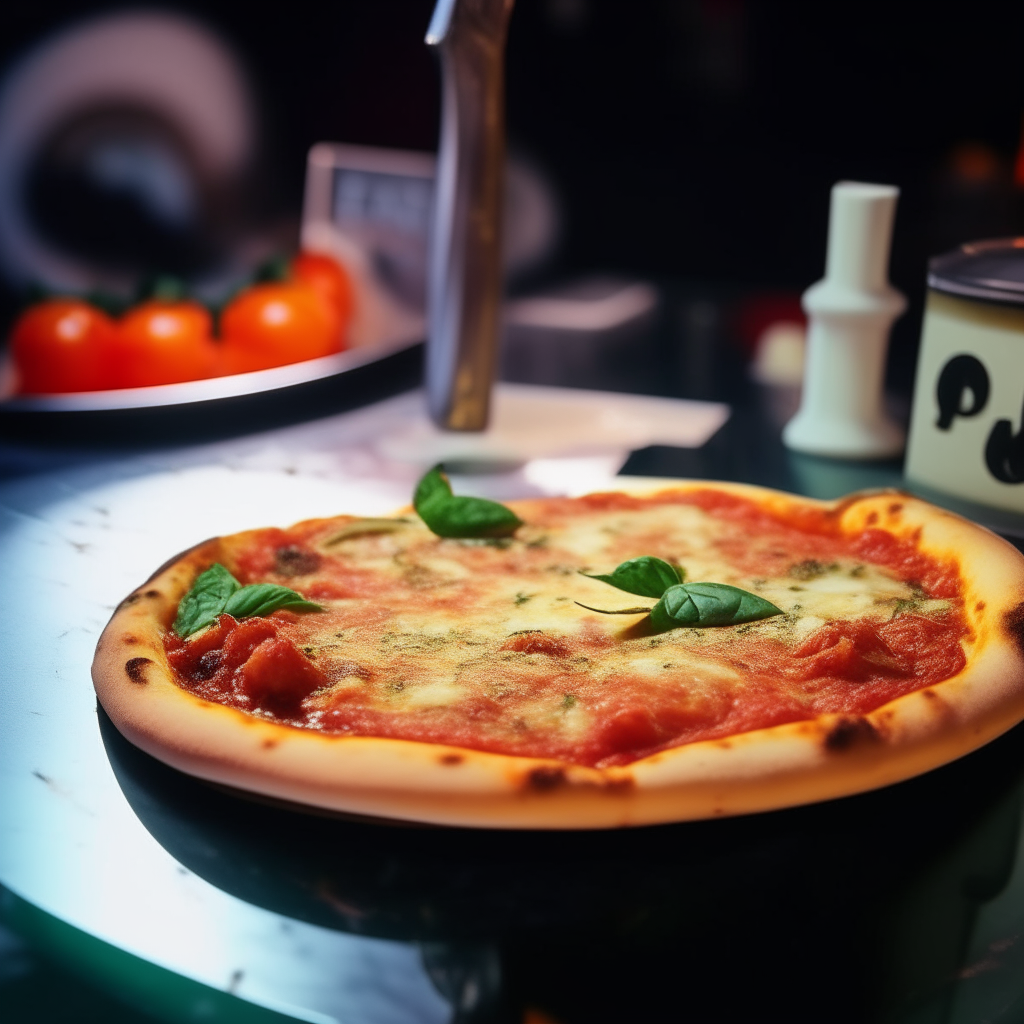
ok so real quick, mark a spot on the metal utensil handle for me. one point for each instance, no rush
(465, 256)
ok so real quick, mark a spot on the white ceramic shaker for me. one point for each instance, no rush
(850, 314)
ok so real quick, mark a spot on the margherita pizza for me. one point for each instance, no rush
(670, 651)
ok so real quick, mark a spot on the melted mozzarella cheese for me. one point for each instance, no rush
(499, 627)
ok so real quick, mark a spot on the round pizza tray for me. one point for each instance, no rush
(410, 881)
(815, 885)
(218, 406)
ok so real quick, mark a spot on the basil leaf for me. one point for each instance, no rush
(216, 591)
(647, 576)
(708, 604)
(264, 598)
(433, 487)
(205, 600)
(753, 608)
(450, 515)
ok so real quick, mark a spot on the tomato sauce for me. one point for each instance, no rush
(247, 665)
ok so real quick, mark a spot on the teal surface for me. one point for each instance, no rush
(51, 972)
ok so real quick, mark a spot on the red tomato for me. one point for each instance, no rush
(63, 345)
(164, 342)
(277, 323)
(330, 279)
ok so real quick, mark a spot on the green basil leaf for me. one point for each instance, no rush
(264, 598)
(676, 608)
(450, 515)
(647, 576)
(753, 608)
(205, 600)
(708, 604)
(433, 487)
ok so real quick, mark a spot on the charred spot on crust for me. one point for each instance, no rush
(842, 505)
(849, 732)
(1014, 622)
(134, 667)
(895, 508)
(980, 606)
(269, 744)
(937, 705)
(544, 779)
(291, 560)
(450, 759)
(138, 596)
(130, 640)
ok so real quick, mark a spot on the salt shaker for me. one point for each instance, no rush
(850, 314)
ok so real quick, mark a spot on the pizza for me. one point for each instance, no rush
(673, 650)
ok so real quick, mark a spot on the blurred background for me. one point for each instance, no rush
(689, 144)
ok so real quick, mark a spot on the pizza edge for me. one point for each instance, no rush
(782, 766)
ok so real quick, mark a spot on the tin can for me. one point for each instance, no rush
(966, 434)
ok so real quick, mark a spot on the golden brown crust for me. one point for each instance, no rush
(796, 763)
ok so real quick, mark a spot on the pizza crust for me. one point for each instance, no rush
(796, 763)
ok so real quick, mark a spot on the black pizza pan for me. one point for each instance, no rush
(622, 918)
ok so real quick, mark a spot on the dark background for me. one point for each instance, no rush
(687, 140)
